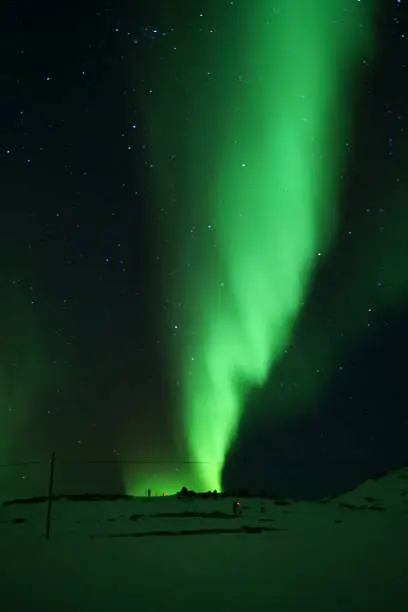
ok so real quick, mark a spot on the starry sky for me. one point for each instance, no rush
(99, 252)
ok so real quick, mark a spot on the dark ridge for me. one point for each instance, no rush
(375, 478)
(209, 515)
(90, 497)
(80, 497)
(244, 529)
(379, 476)
(188, 495)
(31, 500)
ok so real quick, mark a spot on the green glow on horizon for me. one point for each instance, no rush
(273, 203)
(162, 478)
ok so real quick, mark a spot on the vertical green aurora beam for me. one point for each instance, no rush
(247, 134)
(273, 206)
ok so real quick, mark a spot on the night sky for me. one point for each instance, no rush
(112, 119)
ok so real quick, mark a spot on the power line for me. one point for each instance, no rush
(7, 465)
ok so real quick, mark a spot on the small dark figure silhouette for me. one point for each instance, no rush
(235, 507)
(149, 492)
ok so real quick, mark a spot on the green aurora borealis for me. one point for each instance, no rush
(265, 159)
(212, 290)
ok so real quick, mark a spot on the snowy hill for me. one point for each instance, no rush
(339, 554)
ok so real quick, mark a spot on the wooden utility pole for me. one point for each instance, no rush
(50, 496)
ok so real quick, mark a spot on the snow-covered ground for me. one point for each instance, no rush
(341, 555)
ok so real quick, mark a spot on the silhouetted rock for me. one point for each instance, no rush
(184, 492)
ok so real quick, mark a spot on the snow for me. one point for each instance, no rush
(339, 555)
